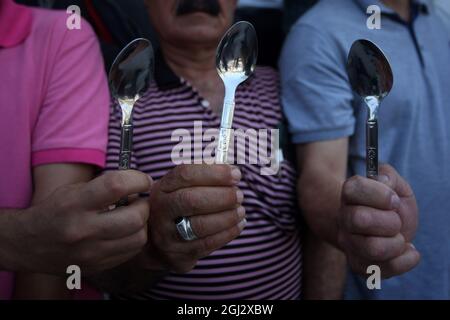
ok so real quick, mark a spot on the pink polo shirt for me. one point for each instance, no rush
(53, 100)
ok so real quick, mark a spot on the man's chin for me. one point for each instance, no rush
(198, 32)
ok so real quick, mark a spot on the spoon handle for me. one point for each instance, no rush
(223, 145)
(372, 148)
(225, 131)
(126, 141)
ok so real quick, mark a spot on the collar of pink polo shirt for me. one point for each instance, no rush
(15, 23)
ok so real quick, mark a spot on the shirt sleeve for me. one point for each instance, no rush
(316, 94)
(73, 119)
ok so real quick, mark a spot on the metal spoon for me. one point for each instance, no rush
(129, 77)
(235, 61)
(370, 76)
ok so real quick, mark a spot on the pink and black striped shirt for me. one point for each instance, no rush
(265, 261)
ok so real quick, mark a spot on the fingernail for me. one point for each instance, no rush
(239, 196)
(383, 179)
(241, 212)
(236, 175)
(242, 224)
(395, 202)
(412, 246)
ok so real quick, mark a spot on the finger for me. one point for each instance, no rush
(182, 256)
(122, 221)
(203, 247)
(408, 209)
(378, 249)
(202, 200)
(210, 224)
(90, 255)
(390, 177)
(110, 262)
(370, 193)
(116, 205)
(134, 242)
(197, 249)
(402, 264)
(184, 176)
(112, 186)
(371, 222)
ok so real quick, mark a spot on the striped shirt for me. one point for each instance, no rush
(265, 261)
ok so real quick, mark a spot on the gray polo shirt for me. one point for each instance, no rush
(414, 119)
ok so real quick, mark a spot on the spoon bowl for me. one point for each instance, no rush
(131, 74)
(371, 77)
(237, 53)
(235, 61)
(369, 71)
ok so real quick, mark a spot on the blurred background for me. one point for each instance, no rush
(117, 22)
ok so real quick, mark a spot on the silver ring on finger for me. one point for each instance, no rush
(184, 229)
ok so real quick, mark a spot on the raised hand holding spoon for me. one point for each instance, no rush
(235, 62)
(129, 77)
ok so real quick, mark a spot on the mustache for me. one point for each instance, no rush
(211, 7)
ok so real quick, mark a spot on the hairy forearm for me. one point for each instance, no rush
(323, 172)
(324, 269)
(8, 232)
(27, 286)
(47, 179)
(319, 198)
(324, 265)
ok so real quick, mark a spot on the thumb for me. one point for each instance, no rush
(391, 178)
(112, 186)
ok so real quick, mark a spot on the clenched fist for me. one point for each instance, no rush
(209, 197)
(74, 226)
(377, 222)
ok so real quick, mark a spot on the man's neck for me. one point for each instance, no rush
(401, 7)
(190, 63)
(197, 66)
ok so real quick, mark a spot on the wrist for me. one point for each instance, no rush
(321, 216)
(326, 229)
